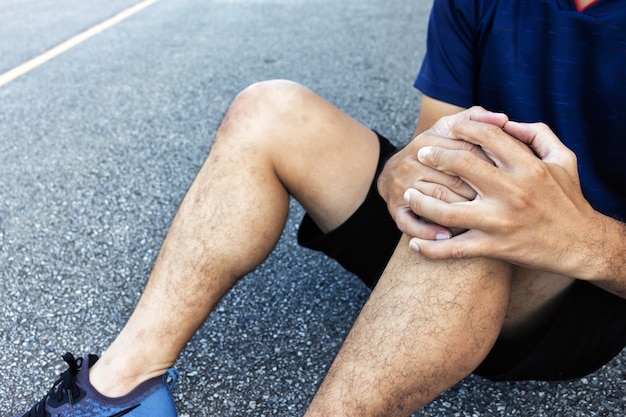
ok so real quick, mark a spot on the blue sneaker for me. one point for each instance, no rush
(73, 396)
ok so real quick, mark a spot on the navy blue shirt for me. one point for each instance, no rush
(541, 60)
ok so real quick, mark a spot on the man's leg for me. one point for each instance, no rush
(277, 139)
(427, 325)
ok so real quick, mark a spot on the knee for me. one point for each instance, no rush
(264, 105)
(269, 91)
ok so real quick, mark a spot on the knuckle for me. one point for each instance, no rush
(470, 147)
(492, 130)
(542, 127)
(571, 160)
(383, 184)
(537, 169)
(404, 221)
(396, 188)
(457, 252)
(440, 193)
(455, 182)
(519, 198)
(380, 182)
(464, 160)
(401, 223)
(509, 222)
(422, 139)
(507, 225)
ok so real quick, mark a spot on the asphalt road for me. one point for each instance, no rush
(98, 146)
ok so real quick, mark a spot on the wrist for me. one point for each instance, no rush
(605, 257)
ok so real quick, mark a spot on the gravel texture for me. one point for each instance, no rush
(98, 147)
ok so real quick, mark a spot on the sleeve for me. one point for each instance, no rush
(448, 69)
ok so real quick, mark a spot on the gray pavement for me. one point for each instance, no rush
(98, 147)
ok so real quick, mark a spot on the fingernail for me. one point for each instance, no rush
(442, 236)
(407, 196)
(414, 246)
(424, 152)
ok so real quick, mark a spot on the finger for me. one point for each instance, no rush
(502, 148)
(453, 143)
(463, 215)
(479, 114)
(474, 171)
(432, 138)
(442, 192)
(464, 246)
(446, 124)
(449, 187)
(412, 225)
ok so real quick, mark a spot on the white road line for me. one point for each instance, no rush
(27, 66)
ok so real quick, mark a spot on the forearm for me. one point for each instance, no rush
(605, 262)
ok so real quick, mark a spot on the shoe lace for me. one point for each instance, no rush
(64, 386)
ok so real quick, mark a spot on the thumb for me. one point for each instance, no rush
(446, 124)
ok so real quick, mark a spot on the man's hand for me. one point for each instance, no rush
(404, 171)
(529, 208)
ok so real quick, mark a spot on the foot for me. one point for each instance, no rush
(72, 395)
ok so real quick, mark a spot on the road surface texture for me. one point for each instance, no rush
(97, 149)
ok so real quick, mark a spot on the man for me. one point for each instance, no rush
(524, 281)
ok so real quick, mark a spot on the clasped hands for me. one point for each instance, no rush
(494, 188)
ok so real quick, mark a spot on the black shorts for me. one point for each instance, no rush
(586, 333)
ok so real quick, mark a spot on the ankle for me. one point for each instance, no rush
(113, 379)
